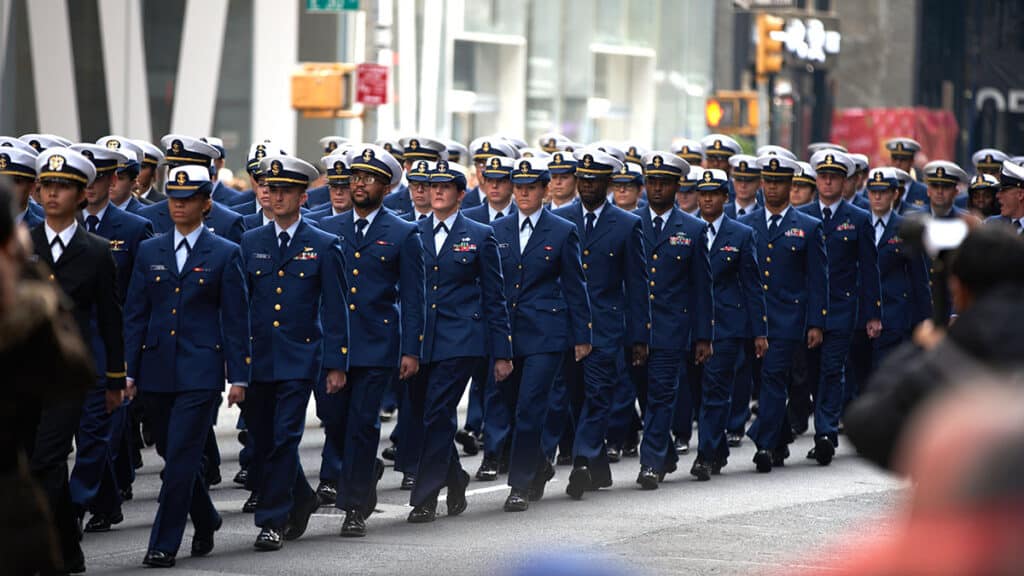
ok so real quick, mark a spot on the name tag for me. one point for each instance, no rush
(157, 267)
(261, 256)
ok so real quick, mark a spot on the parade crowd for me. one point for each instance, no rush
(596, 300)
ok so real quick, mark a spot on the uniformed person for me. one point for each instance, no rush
(466, 322)
(82, 265)
(689, 150)
(124, 182)
(188, 151)
(902, 152)
(746, 181)
(627, 185)
(384, 275)
(854, 302)
(95, 484)
(482, 149)
(681, 311)
(903, 271)
(901, 206)
(1011, 196)
(942, 178)
(776, 150)
(42, 142)
(186, 330)
(149, 164)
(739, 316)
(804, 185)
(549, 313)
(614, 265)
(562, 186)
(863, 164)
(319, 196)
(456, 151)
(414, 148)
(338, 185)
(718, 150)
(981, 193)
(989, 161)
(791, 250)
(19, 166)
(299, 321)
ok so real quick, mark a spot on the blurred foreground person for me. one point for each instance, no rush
(987, 276)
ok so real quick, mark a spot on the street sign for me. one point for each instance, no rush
(371, 84)
(331, 5)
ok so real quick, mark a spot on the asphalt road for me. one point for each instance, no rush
(738, 523)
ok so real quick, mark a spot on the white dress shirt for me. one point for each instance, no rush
(745, 209)
(880, 230)
(420, 215)
(526, 231)
(714, 228)
(768, 216)
(180, 252)
(442, 234)
(65, 236)
(290, 230)
(492, 212)
(369, 220)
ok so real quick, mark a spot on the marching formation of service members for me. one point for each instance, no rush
(596, 300)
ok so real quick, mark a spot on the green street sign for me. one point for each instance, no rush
(331, 5)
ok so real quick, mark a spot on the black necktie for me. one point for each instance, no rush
(591, 217)
(422, 216)
(658, 221)
(827, 212)
(497, 215)
(284, 238)
(57, 242)
(741, 212)
(774, 226)
(188, 249)
(92, 223)
(527, 223)
(440, 226)
(361, 225)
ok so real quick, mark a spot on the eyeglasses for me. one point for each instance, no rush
(363, 179)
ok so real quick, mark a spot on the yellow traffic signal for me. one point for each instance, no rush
(732, 112)
(713, 113)
(769, 50)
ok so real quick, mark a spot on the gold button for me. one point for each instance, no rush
(586, 252)
(353, 290)
(653, 270)
(513, 304)
(435, 268)
(585, 266)
(258, 272)
(301, 274)
(174, 311)
(344, 350)
(590, 324)
(351, 306)
(280, 272)
(307, 340)
(157, 278)
(654, 256)
(520, 266)
(176, 289)
(52, 277)
(172, 332)
(355, 271)
(278, 290)
(768, 259)
(435, 286)
(767, 274)
(611, 254)
(770, 246)
(358, 255)
(824, 312)
(764, 318)
(276, 323)
(433, 306)
(386, 321)
(652, 296)
(765, 286)
(202, 281)
(381, 258)
(648, 325)
(517, 285)
(652, 282)
(421, 337)
(248, 360)
(277, 307)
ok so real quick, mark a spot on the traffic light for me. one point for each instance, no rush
(769, 56)
(324, 90)
(732, 112)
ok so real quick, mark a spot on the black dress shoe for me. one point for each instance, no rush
(648, 478)
(488, 471)
(823, 450)
(630, 451)
(242, 477)
(202, 542)
(579, 482)
(423, 513)
(668, 469)
(158, 559)
(389, 453)
(127, 494)
(717, 465)
(516, 502)
(763, 461)
(387, 415)
(700, 470)
(614, 454)
(326, 493)
(298, 520)
(779, 456)
(682, 447)
(74, 561)
(213, 477)
(408, 481)
(269, 540)
(734, 440)
(251, 503)
(563, 460)
(103, 522)
(540, 481)
(354, 525)
(137, 460)
(469, 444)
(243, 437)
(456, 499)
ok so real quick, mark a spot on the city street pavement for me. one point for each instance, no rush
(738, 523)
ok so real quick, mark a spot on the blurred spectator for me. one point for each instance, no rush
(987, 280)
